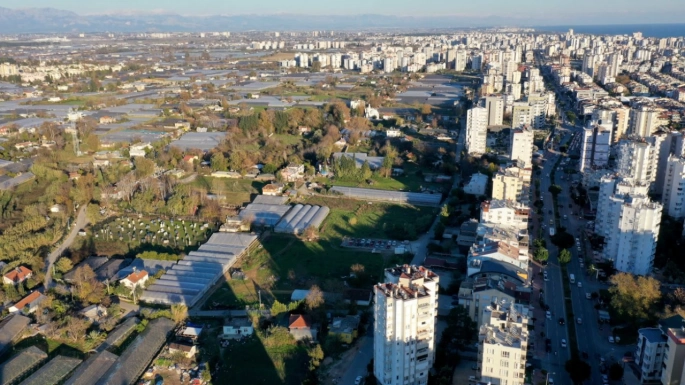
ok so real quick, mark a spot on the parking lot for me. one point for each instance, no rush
(377, 245)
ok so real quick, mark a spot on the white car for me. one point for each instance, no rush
(588, 296)
(580, 284)
(563, 343)
(549, 314)
(580, 321)
(611, 339)
(550, 381)
(358, 380)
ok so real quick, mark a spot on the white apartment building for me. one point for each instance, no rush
(505, 213)
(503, 342)
(521, 145)
(405, 312)
(476, 130)
(673, 196)
(511, 184)
(644, 121)
(594, 148)
(495, 107)
(672, 370)
(637, 159)
(520, 115)
(649, 354)
(669, 143)
(629, 222)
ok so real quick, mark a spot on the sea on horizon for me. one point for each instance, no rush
(648, 30)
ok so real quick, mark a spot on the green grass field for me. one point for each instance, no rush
(236, 191)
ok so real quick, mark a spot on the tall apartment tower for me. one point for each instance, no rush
(629, 222)
(670, 143)
(637, 159)
(405, 312)
(643, 121)
(503, 341)
(476, 130)
(495, 106)
(521, 145)
(674, 187)
(594, 150)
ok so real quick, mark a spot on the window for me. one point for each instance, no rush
(505, 354)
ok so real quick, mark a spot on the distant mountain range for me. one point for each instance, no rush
(50, 20)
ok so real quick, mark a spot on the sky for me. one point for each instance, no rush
(556, 11)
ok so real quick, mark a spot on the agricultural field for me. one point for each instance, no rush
(123, 235)
(236, 191)
(412, 180)
(285, 263)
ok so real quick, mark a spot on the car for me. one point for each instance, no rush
(472, 379)
(579, 321)
(549, 315)
(563, 343)
(550, 381)
(358, 380)
(580, 284)
(588, 296)
(562, 321)
(546, 277)
(611, 339)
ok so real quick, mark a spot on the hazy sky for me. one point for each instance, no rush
(556, 11)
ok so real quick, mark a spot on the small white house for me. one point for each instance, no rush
(28, 304)
(135, 279)
(138, 150)
(238, 327)
(477, 185)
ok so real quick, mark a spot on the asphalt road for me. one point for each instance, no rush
(79, 223)
(361, 359)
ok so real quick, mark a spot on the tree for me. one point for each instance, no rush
(316, 356)
(564, 256)
(555, 189)
(143, 167)
(426, 109)
(76, 328)
(63, 265)
(83, 276)
(541, 254)
(314, 298)
(365, 172)
(316, 66)
(310, 233)
(278, 308)
(179, 313)
(578, 370)
(218, 162)
(615, 371)
(633, 296)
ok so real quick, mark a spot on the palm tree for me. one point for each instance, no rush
(593, 270)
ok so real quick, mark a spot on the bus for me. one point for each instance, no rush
(572, 278)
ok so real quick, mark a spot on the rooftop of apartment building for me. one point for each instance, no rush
(506, 327)
(410, 282)
(509, 286)
(491, 266)
(500, 204)
(491, 247)
(653, 335)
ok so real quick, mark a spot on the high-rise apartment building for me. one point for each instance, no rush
(476, 130)
(521, 146)
(644, 121)
(510, 184)
(503, 343)
(405, 312)
(629, 222)
(594, 148)
(637, 158)
(495, 106)
(673, 196)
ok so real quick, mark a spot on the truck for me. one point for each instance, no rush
(572, 278)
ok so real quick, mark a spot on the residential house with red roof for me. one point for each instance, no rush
(17, 276)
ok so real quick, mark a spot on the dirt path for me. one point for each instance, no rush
(80, 222)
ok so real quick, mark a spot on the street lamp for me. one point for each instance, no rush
(547, 379)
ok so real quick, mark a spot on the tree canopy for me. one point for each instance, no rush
(634, 296)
